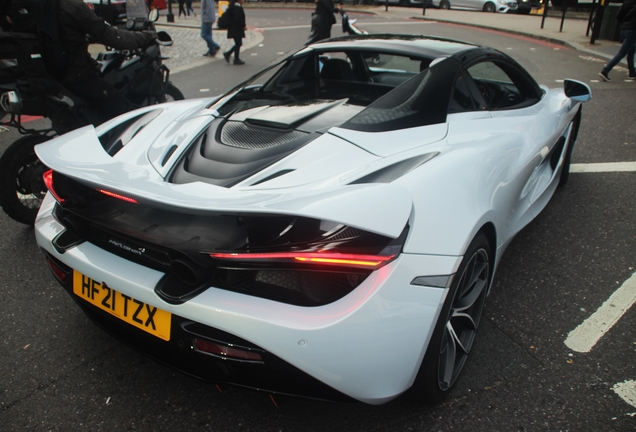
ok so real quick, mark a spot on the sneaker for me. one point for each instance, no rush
(227, 56)
(239, 62)
(214, 51)
(632, 77)
(208, 54)
(605, 77)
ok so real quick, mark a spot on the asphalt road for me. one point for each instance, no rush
(60, 372)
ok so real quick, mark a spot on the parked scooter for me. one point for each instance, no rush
(27, 90)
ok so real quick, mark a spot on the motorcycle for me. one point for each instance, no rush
(26, 90)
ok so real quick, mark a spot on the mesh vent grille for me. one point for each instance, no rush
(240, 135)
(347, 233)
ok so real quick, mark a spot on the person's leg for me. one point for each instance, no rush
(228, 53)
(206, 35)
(631, 36)
(238, 42)
(629, 39)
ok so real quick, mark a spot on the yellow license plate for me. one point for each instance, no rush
(139, 314)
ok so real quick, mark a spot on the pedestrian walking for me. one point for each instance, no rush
(189, 7)
(322, 19)
(182, 8)
(627, 17)
(208, 17)
(236, 30)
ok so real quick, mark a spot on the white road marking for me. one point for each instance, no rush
(587, 334)
(627, 391)
(603, 167)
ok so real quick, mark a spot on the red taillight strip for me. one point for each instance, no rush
(48, 181)
(118, 196)
(312, 257)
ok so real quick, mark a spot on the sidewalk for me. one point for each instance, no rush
(188, 53)
(573, 33)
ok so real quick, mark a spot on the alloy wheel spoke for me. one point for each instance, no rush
(463, 328)
(473, 295)
(448, 359)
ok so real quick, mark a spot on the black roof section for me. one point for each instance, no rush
(421, 45)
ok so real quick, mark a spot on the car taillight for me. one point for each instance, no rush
(48, 181)
(318, 258)
(118, 196)
(62, 274)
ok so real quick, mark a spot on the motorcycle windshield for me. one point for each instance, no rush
(136, 9)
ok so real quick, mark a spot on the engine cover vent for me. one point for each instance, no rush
(242, 135)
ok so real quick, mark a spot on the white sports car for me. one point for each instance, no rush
(328, 229)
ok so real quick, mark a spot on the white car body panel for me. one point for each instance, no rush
(307, 338)
(428, 188)
(80, 154)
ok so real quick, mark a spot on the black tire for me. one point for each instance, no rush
(173, 94)
(21, 185)
(448, 350)
(565, 171)
(489, 7)
(444, 4)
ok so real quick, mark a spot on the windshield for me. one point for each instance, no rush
(136, 9)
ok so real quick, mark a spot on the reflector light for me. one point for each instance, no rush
(118, 196)
(57, 272)
(369, 261)
(48, 181)
(225, 351)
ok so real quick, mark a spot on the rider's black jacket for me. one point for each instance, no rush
(77, 21)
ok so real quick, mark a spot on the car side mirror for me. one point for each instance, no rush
(577, 91)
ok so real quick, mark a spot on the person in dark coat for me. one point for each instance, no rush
(322, 19)
(81, 74)
(627, 17)
(182, 9)
(236, 30)
(189, 7)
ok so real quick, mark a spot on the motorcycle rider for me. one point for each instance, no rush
(81, 74)
(79, 25)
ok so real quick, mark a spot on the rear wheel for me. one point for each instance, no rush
(21, 185)
(457, 324)
(444, 4)
(489, 7)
